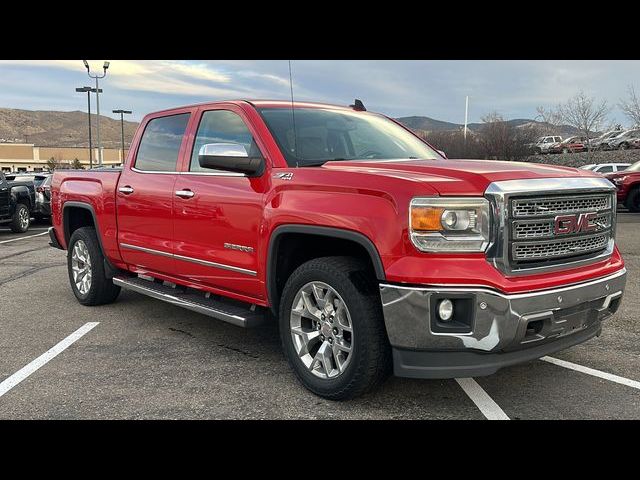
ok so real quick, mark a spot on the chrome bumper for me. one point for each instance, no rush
(500, 323)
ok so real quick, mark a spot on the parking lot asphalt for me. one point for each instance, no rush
(146, 359)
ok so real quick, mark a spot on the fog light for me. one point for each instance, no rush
(445, 310)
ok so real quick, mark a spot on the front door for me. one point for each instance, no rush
(145, 195)
(217, 215)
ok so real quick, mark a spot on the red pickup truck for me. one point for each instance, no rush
(627, 183)
(372, 250)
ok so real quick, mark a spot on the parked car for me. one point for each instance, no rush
(569, 145)
(42, 184)
(628, 186)
(371, 249)
(541, 146)
(17, 203)
(603, 168)
(600, 143)
(623, 141)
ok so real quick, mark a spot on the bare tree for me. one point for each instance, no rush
(631, 106)
(76, 164)
(502, 140)
(550, 120)
(583, 113)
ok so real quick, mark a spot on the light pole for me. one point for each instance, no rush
(122, 113)
(88, 91)
(97, 90)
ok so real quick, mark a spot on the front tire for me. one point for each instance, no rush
(85, 264)
(332, 328)
(21, 219)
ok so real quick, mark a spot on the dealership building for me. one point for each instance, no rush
(27, 157)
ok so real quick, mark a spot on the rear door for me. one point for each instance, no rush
(217, 226)
(145, 194)
(4, 197)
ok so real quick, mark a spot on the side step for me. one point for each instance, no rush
(229, 311)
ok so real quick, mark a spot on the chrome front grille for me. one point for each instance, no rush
(543, 228)
(533, 240)
(540, 207)
(559, 248)
(550, 224)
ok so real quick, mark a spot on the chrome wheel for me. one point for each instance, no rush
(321, 330)
(81, 267)
(23, 217)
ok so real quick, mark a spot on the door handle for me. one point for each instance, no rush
(126, 190)
(186, 193)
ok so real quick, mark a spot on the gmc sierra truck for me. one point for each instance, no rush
(17, 203)
(374, 252)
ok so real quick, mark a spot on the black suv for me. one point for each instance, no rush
(17, 203)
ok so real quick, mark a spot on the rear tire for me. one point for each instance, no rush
(21, 219)
(86, 275)
(633, 200)
(354, 303)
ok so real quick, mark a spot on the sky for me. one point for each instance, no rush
(397, 88)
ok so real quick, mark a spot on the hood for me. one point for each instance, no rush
(623, 173)
(458, 177)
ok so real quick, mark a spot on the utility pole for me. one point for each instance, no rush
(466, 117)
(97, 90)
(122, 112)
(88, 90)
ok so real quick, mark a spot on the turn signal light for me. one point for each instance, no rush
(426, 219)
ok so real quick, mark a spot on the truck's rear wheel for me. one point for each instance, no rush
(85, 264)
(332, 328)
(21, 219)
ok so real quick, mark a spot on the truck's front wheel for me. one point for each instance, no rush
(332, 328)
(85, 264)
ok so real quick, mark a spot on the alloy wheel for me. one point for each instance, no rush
(321, 330)
(81, 267)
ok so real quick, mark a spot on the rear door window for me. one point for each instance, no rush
(160, 144)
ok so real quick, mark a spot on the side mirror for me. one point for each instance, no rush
(442, 153)
(231, 157)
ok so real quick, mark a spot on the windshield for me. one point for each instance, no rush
(634, 168)
(323, 134)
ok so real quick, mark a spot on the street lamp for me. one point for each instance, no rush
(97, 91)
(122, 113)
(88, 91)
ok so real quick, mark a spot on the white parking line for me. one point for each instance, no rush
(28, 369)
(23, 238)
(591, 371)
(490, 409)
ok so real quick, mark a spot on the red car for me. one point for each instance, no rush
(627, 183)
(569, 145)
(373, 251)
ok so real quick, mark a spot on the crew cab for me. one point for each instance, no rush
(627, 183)
(17, 203)
(373, 251)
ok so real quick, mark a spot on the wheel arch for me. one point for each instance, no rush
(311, 235)
(80, 214)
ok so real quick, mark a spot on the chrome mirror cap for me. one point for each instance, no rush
(223, 150)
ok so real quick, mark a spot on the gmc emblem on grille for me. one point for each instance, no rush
(582, 223)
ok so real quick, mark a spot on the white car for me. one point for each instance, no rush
(542, 144)
(606, 167)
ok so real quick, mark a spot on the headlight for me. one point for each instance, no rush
(449, 224)
(618, 180)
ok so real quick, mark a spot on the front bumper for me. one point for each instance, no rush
(502, 329)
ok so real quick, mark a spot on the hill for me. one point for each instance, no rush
(61, 129)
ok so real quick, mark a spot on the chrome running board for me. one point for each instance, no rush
(229, 311)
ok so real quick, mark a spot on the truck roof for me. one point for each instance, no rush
(258, 104)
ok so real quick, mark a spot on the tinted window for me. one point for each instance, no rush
(160, 143)
(605, 169)
(221, 126)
